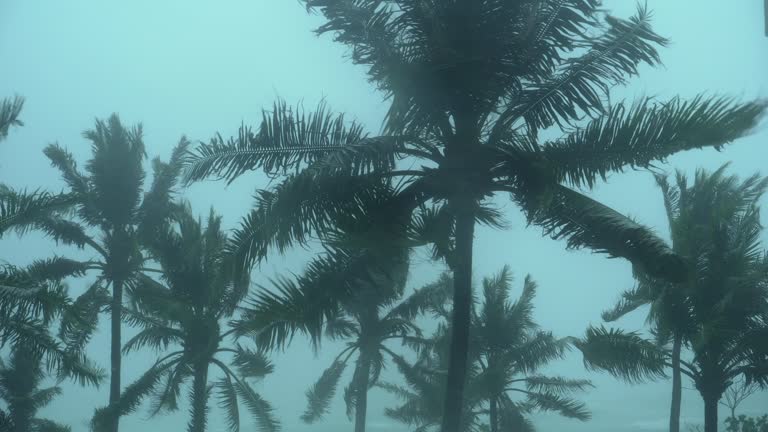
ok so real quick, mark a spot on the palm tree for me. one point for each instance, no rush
(188, 312)
(722, 310)
(104, 213)
(20, 389)
(507, 349)
(472, 83)
(350, 294)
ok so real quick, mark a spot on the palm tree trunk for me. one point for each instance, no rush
(361, 394)
(710, 412)
(115, 353)
(677, 384)
(494, 414)
(462, 303)
(199, 397)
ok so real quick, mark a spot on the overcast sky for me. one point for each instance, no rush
(196, 67)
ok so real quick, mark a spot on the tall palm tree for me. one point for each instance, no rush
(20, 389)
(472, 83)
(507, 349)
(348, 294)
(185, 315)
(722, 310)
(107, 215)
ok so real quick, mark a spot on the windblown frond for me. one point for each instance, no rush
(320, 394)
(622, 354)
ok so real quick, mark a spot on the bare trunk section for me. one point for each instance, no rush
(199, 398)
(462, 302)
(710, 412)
(361, 395)
(115, 353)
(677, 385)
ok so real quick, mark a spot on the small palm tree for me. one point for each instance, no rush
(104, 212)
(20, 389)
(721, 311)
(185, 316)
(352, 295)
(472, 84)
(507, 349)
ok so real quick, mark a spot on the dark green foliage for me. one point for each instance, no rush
(20, 390)
(354, 292)
(507, 349)
(719, 313)
(183, 314)
(747, 424)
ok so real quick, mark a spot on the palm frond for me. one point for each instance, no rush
(556, 385)
(584, 222)
(649, 131)
(290, 138)
(80, 319)
(43, 397)
(227, 397)
(259, 408)
(624, 355)
(132, 396)
(63, 160)
(582, 83)
(21, 209)
(252, 364)
(321, 393)
(10, 109)
(564, 406)
(45, 425)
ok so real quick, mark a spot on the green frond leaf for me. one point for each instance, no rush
(624, 355)
(321, 393)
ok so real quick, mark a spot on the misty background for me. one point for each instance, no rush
(196, 67)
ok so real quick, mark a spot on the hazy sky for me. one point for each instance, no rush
(196, 67)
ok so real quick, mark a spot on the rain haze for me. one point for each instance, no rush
(195, 68)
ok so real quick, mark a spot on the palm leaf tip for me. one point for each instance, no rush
(320, 394)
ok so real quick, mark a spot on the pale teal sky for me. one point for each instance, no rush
(195, 67)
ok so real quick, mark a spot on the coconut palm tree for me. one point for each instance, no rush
(507, 349)
(472, 83)
(20, 389)
(106, 215)
(348, 294)
(721, 311)
(185, 315)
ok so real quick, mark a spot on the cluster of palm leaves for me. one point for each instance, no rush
(472, 86)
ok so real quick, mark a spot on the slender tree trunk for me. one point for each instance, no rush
(710, 413)
(677, 385)
(494, 415)
(462, 303)
(199, 397)
(361, 394)
(115, 353)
